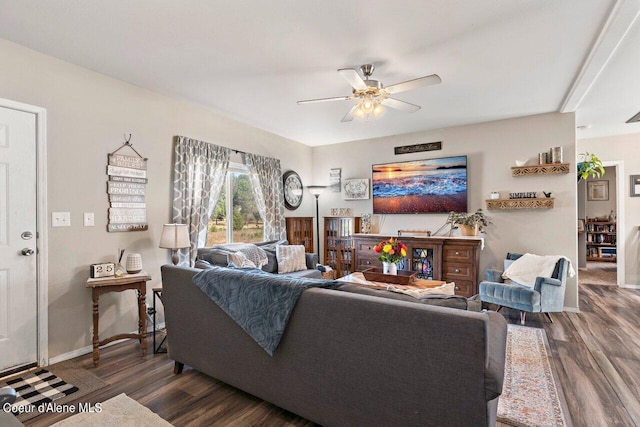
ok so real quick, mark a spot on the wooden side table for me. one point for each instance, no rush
(103, 285)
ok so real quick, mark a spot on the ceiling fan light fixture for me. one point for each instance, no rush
(359, 113)
(367, 105)
(378, 110)
(371, 94)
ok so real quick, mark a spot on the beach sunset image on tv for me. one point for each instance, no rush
(421, 186)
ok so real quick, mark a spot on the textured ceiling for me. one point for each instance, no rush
(252, 61)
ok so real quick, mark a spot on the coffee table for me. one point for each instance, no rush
(419, 288)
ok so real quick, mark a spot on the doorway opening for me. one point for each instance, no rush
(601, 228)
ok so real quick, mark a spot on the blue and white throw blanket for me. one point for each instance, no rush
(259, 302)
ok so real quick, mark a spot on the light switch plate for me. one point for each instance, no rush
(60, 219)
(88, 219)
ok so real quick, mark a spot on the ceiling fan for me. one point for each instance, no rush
(373, 96)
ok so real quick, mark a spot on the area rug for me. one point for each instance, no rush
(119, 411)
(60, 383)
(531, 396)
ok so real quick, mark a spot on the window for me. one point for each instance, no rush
(245, 224)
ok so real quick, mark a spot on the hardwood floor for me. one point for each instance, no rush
(596, 354)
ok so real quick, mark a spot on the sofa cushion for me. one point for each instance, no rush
(270, 248)
(214, 256)
(202, 264)
(290, 258)
(309, 274)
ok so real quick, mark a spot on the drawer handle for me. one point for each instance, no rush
(369, 247)
(368, 262)
(457, 270)
(457, 253)
(457, 288)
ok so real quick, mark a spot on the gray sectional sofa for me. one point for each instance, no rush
(348, 359)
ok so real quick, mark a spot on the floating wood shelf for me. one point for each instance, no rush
(548, 169)
(509, 204)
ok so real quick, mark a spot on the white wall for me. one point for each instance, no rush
(88, 114)
(492, 149)
(626, 149)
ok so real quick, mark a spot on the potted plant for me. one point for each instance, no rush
(590, 165)
(470, 224)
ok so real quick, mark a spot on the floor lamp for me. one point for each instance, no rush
(317, 190)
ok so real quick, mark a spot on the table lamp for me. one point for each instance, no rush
(174, 237)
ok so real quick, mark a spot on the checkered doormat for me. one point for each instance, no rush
(39, 387)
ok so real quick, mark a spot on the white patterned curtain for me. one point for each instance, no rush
(199, 172)
(266, 180)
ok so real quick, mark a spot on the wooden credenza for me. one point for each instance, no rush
(452, 259)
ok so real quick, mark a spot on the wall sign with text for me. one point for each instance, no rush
(126, 188)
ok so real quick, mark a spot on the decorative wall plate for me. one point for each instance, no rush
(356, 189)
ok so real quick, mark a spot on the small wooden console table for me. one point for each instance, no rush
(103, 285)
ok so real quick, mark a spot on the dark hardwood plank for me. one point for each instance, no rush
(596, 354)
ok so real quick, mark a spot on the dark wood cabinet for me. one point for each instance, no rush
(452, 259)
(339, 249)
(300, 232)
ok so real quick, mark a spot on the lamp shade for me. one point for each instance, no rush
(316, 190)
(175, 236)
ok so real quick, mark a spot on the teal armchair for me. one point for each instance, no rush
(547, 296)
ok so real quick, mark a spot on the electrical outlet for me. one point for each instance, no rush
(88, 219)
(60, 219)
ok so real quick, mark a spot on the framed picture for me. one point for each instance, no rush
(356, 189)
(334, 180)
(635, 186)
(598, 190)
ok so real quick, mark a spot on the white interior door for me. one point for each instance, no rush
(18, 269)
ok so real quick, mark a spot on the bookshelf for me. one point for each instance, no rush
(300, 232)
(601, 240)
(339, 251)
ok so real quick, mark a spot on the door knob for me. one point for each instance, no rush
(27, 252)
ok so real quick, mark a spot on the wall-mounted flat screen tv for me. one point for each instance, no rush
(421, 186)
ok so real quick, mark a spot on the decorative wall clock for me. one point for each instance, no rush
(293, 190)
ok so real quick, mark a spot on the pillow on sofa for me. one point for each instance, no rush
(240, 260)
(290, 258)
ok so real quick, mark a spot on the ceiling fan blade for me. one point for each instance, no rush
(353, 78)
(336, 98)
(400, 105)
(349, 116)
(433, 79)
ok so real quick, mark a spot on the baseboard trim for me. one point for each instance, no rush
(88, 349)
(572, 309)
(630, 286)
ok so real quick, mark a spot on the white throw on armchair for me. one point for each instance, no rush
(537, 284)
